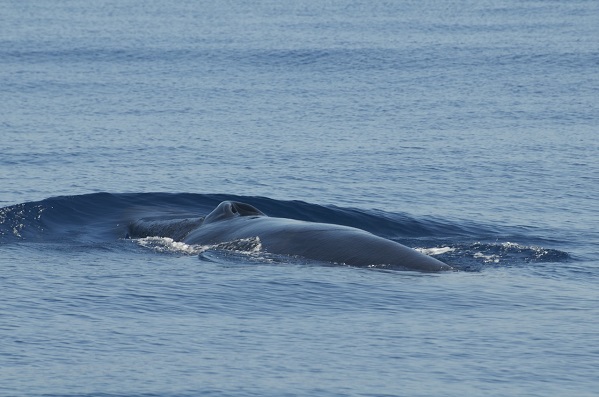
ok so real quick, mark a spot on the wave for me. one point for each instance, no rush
(102, 218)
(105, 216)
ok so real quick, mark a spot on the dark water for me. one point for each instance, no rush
(467, 130)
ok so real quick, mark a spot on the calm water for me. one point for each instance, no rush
(467, 130)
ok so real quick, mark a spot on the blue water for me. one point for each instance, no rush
(467, 130)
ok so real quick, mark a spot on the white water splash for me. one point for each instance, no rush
(250, 245)
(167, 244)
(435, 250)
(487, 258)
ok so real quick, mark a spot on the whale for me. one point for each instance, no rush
(232, 221)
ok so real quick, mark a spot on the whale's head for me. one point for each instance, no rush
(231, 209)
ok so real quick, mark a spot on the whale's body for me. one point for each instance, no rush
(232, 221)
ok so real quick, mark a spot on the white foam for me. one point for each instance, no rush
(250, 245)
(487, 258)
(513, 245)
(167, 244)
(435, 250)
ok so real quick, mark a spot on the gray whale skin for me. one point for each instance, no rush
(232, 220)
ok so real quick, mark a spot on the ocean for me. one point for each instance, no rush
(466, 130)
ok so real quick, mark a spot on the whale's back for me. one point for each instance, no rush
(317, 241)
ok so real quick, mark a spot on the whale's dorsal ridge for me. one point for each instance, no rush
(231, 209)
